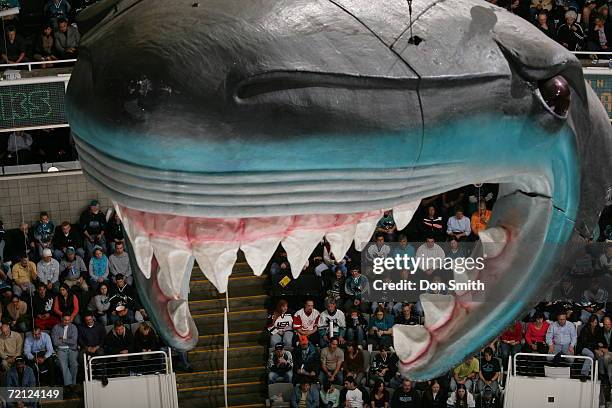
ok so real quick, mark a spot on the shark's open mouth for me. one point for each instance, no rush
(165, 248)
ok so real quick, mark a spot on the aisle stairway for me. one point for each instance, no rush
(246, 355)
(246, 367)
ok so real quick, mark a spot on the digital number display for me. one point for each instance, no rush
(602, 85)
(30, 105)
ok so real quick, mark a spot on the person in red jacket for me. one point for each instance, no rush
(67, 303)
(535, 335)
(510, 342)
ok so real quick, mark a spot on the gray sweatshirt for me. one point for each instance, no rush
(120, 264)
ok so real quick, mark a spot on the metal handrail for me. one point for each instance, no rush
(593, 363)
(29, 64)
(89, 361)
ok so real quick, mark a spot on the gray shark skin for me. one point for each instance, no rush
(237, 111)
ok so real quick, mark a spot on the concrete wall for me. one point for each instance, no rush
(63, 195)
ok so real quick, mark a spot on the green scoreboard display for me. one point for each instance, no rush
(30, 105)
(602, 85)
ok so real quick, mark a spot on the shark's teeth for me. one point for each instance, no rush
(216, 260)
(143, 252)
(438, 309)
(175, 262)
(402, 214)
(299, 245)
(178, 309)
(365, 230)
(259, 252)
(410, 342)
(340, 240)
(493, 241)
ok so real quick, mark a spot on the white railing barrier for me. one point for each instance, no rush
(30, 64)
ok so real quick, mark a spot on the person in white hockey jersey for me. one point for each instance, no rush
(306, 322)
(280, 325)
(335, 318)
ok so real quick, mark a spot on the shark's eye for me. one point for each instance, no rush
(556, 95)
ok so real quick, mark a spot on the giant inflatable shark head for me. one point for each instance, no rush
(233, 124)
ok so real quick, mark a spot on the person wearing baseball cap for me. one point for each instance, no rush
(48, 270)
(20, 375)
(93, 224)
(280, 365)
(306, 359)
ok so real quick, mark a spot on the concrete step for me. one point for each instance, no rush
(247, 338)
(239, 321)
(235, 304)
(239, 269)
(238, 394)
(212, 378)
(211, 358)
(202, 289)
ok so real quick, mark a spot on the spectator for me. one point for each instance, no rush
(406, 317)
(465, 374)
(119, 341)
(91, 337)
(2, 241)
(306, 321)
(23, 274)
(20, 375)
(380, 396)
(570, 34)
(594, 298)
(431, 254)
(406, 396)
(73, 269)
(44, 229)
(386, 226)
(354, 363)
(67, 40)
(119, 264)
(304, 396)
(540, 7)
(331, 262)
(605, 260)
(145, 339)
(355, 287)
(461, 398)
(379, 250)
(332, 359)
(280, 325)
(535, 336)
(591, 344)
(384, 368)
(433, 396)
(42, 304)
(38, 350)
(98, 268)
(280, 365)
(124, 296)
(330, 396)
(597, 39)
(352, 396)
(487, 400)
(65, 337)
(66, 303)
(432, 225)
(65, 238)
(55, 10)
(13, 48)
(11, 346)
(458, 226)
(44, 47)
(545, 26)
(356, 327)
(48, 270)
(490, 372)
(380, 329)
(100, 304)
(116, 233)
(18, 312)
(306, 360)
(334, 286)
(331, 316)
(480, 218)
(510, 342)
(92, 223)
(561, 336)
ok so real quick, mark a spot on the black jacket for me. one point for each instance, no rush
(590, 340)
(61, 241)
(91, 336)
(402, 399)
(114, 344)
(430, 402)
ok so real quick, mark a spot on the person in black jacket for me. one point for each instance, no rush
(434, 396)
(44, 47)
(91, 337)
(432, 224)
(93, 223)
(571, 35)
(64, 238)
(406, 396)
(590, 342)
(487, 399)
(124, 295)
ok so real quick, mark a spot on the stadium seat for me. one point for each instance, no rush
(283, 389)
